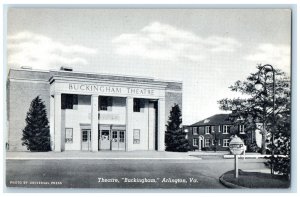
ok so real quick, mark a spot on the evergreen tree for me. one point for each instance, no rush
(175, 137)
(36, 134)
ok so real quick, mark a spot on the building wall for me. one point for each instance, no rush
(23, 87)
(217, 137)
(173, 96)
(73, 118)
(144, 121)
(247, 137)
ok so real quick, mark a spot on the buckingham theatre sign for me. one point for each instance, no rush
(110, 89)
(104, 89)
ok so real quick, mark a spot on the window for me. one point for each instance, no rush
(68, 101)
(242, 129)
(219, 128)
(137, 105)
(195, 142)
(105, 103)
(195, 131)
(136, 136)
(207, 129)
(104, 134)
(85, 135)
(207, 142)
(114, 135)
(69, 135)
(226, 129)
(225, 142)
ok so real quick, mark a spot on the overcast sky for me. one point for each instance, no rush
(208, 50)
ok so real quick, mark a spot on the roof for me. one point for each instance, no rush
(214, 120)
(45, 75)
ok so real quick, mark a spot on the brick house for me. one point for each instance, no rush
(215, 132)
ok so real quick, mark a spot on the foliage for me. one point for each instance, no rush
(280, 161)
(210, 148)
(255, 110)
(175, 137)
(36, 134)
(253, 148)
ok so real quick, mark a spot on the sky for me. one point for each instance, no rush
(207, 49)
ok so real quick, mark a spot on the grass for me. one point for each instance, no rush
(257, 180)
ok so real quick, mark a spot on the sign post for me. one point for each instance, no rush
(236, 147)
(236, 165)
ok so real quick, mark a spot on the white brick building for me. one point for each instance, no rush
(92, 112)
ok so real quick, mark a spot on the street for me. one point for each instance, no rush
(126, 173)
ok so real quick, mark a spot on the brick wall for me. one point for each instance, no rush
(215, 136)
(173, 96)
(22, 88)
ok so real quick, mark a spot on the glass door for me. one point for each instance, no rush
(104, 140)
(86, 140)
(118, 140)
(114, 140)
(121, 140)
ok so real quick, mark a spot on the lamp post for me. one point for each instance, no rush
(269, 68)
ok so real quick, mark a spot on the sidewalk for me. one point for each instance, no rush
(208, 153)
(99, 155)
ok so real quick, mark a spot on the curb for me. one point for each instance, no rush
(99, 158)
(230, 185)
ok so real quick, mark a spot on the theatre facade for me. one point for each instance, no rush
(92, 112)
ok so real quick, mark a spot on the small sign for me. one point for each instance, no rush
(236, 145)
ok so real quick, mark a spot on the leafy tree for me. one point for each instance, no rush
(256, 111)
(281, 145)
(36, 134)
(175, 137)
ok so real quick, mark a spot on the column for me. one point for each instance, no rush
(129, 124)
(161, 125)
(94, 122)
(57, 122)
(51, 121)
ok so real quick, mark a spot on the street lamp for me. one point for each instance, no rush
(259, 85)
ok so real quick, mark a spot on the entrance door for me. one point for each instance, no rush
(201, 142)
(118, 140)
(121, 140)
(86, 140)
(104, 140)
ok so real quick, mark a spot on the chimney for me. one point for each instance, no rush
(26, 67)
(65, 68)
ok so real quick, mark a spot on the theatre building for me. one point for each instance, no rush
(92, 112)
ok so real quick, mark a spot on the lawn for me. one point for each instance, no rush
(257, 180)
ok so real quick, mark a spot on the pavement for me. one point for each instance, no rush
(165, 173)
(75, 169)
(99, 155)
(124, 155)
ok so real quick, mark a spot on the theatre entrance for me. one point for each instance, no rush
(86, 139)
(111, 139)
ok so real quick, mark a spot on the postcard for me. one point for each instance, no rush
(148, 98)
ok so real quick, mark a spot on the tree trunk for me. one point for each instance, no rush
(263, 143)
